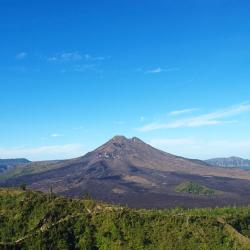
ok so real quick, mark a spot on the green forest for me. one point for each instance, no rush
(34, 220)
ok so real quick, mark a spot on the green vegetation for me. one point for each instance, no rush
(30, 168)
(195, 188)
(33, 220)
(23, 186)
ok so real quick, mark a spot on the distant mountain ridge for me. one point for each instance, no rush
(230, 162)
(8, 163)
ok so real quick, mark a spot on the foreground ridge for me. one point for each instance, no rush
(48, 221)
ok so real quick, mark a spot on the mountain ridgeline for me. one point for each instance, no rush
(5, 164)
(131, 172)
(231, 162)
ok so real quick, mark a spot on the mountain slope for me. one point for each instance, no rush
(231, 162)
(129, 171)
(5, 164)
(32, 220)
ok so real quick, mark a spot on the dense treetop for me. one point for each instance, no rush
(33, 220)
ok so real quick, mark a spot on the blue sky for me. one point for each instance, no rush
(75, 73)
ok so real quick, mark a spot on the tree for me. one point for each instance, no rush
(23, 186)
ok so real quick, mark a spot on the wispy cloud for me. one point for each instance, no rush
(65, 57)
(73, 57)
(81, 128)
(203, 148)
(77, 62)
(87, 67)
(208, 119)
(161, 70)
(119, 122)
(43, 152)
(78, 128)
(56, 135)
(21, 55)
(142, 118)
(94, 58)
(182, 111)
(155, 71)
(172, 142)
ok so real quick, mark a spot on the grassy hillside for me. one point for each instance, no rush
(196, 189)
(6, 164)
(30, 168)
(33, 220)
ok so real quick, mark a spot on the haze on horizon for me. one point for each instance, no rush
(74, 74)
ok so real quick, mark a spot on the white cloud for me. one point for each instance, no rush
(177, 124)
(94, 58)
(65, 57)
(78, 128)
(73, 57)
(21, 55)
(182, 111)
(203, 149)
(86, 67)
(160, 70)
(171, 142)
(209, 119)
(56, 135)
(155, 71)
(43, 152)
(119, 122)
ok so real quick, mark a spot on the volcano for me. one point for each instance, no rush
(129, 171)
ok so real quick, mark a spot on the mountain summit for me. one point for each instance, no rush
(130, 171)
(137, 153)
